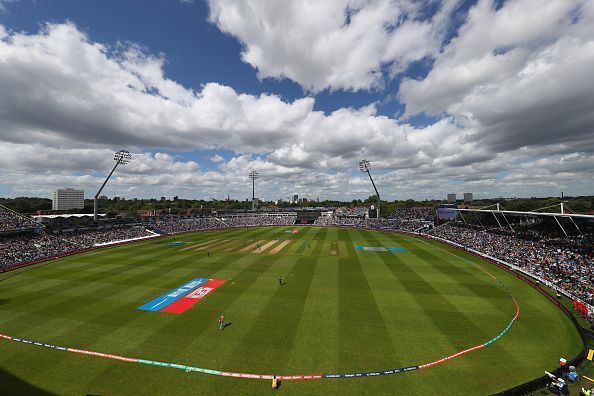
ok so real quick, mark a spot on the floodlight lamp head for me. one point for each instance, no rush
(122, 157)
(364, 166)
(254, 175)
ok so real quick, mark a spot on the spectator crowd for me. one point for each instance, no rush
(341, 221)
(26, 247)
(10, 221)
(567, 263)
(260, 220)
(177, 225)
(418, 213)
(90, 238)
(405, 219)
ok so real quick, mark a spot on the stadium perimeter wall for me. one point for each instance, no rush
(523, 389)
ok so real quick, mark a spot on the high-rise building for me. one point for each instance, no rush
(295, 198)
(467, 197)
(451, 198)
(68, 198)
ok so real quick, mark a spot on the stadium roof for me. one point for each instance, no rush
(535, 214)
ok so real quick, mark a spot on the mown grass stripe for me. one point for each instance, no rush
(279, 320)
(316, 344)
(80, 309)
(79, 279)
(359, 317)
(460, 329)
(170, 333)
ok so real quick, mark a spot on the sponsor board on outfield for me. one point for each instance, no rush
(187, 301)
(372, 373)
(381, 248)
(168, 302)
(161, 302)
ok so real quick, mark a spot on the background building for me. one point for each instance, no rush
(451, 198)
(467, 197)
(68, 198)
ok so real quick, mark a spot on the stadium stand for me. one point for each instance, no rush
(417, 219)
(90, 238)
(264, 219)
(359, 211)
(567, 263)
(11, 221)
(177, 225)
(407, 219)
(341, 221)
(28, 247)
(417, 213)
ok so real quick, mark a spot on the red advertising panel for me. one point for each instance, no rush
(187, 301)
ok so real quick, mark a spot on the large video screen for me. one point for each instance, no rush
(447, 213)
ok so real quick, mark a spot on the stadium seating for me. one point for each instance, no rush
(28, 247)
(12, 221)
(565, 262)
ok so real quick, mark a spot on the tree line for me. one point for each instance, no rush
(583, 204)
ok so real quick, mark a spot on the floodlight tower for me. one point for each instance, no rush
(122, 157)
(364, 167)
(254, 176)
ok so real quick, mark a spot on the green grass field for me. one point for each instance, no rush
(340, 310)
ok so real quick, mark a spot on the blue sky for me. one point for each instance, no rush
(196, 51)
(300, 91)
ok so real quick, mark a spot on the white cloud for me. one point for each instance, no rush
(519, 76)
(217, 159)
(67, 102)
(59, 88)
(335, 44)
